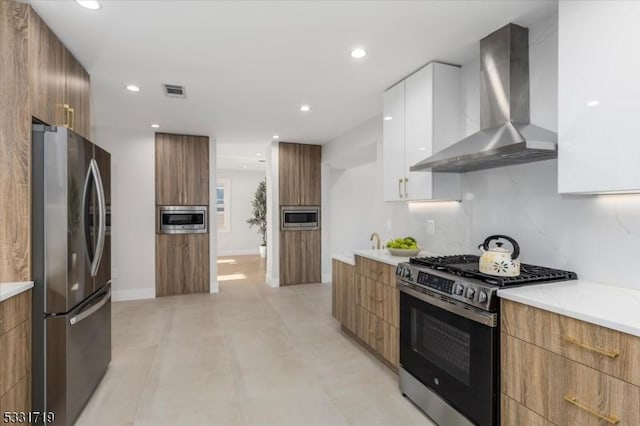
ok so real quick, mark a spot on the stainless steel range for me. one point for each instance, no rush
(449, 335)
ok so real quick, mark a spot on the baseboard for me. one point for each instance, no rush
(138, 294)
(238, 252)
(272, 282)
(214, 287)
(326, 278)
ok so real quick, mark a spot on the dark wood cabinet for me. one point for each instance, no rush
(182, 264)
(59, 85)
(182, 170)
(300, 257)
(299, 174)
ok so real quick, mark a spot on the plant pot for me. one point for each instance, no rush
(263, 251)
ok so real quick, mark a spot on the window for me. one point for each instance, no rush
(223, 205)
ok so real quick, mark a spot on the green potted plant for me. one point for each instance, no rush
(259, 217)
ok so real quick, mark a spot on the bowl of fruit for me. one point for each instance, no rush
(407, 246)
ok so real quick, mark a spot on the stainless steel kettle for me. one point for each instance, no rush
(498, 260)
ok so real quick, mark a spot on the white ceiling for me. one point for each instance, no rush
(248, 65)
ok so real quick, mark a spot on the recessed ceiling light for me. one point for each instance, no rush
(155, 126)
(89, 4)
(258, 155)
(245, 166)
(305, 108)
(133, 88)
(593, 103)
(358, 53)
(388, 118)
(275, 137)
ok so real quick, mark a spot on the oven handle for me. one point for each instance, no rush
(486, 318)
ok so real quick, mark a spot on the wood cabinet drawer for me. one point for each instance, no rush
(604, 349)
(564, 391)
(375, 270)
(18, 398)
(15, 310)
(513, 413)
(14, 356)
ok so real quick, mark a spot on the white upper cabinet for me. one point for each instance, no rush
(422, 115)
(598, 97)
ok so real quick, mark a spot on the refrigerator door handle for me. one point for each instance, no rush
(93, 309)
(102, 212)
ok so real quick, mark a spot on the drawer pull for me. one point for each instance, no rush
(610, 354)
(379, 337)
(571, 399)
(372, 331)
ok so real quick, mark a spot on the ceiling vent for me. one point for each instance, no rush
(174, 91)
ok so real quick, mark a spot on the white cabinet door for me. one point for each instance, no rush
(598, 96)
(418, 139)
(393, 143)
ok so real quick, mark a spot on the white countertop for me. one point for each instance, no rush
(8, 290)
(610, 306)
(380, 255)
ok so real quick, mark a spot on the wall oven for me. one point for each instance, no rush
(182, 219)
(299, 218)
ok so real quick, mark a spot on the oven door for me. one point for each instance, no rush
(451, 353)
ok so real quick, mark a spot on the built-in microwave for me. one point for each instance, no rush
(182, 219)
(299, 218)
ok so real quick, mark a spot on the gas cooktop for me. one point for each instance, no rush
(466, 265)
(459, 278)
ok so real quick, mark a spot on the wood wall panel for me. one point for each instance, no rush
(15, 144)
(182, 264)
(512, 413)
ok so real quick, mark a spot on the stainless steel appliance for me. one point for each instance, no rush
(71, 270)
(449, 335)
(506, 137)
(182, 219)
(305, 218)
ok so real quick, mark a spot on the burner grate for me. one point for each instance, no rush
(467, 266)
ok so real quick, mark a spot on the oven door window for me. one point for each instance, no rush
(455, 357)
(173, 219)
(300, 217)
(446, 346)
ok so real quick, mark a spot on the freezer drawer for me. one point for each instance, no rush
(78, 351)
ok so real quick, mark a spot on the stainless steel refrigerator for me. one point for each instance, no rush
(71, 270)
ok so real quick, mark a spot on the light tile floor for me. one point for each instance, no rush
(250, 355)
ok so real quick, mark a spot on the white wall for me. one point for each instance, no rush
(597, 237)
(133, 212)
(241, 239)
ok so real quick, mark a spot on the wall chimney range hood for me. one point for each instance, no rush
(506, 136)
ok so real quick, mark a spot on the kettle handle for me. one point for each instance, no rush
(516, 247)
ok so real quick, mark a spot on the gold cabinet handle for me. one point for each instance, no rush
(571, 399)
(72, 118)
(65, 107)
(372, 331)
(379, 337)
(380, 300)
(609, 353)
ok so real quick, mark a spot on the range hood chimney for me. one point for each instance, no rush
(506, 136)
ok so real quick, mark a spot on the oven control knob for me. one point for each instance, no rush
(406, 273)
(482, 297)
(470, 293)
(458, 289)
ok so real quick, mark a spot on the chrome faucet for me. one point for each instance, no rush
(377, 237)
